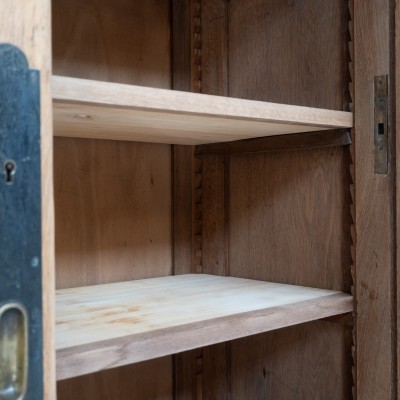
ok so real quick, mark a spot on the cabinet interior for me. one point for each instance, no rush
(129, 210)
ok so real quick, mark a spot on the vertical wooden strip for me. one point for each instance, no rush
(374, 211)
(215, 82)
(214, 47)
(397, 184)
(182, 157)
(196, 45)
(183, 181)
(27, 26)
(185, 376)
(197, 196)
(349, 95)
(181, 45)
(215, 372)
(213, 221)
(198, 374)
(214, 234)
(207, 73)
(182, 209)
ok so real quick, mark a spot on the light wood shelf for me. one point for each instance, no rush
(105, 326)
(101, 110)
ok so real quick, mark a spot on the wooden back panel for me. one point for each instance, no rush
(120, 41)
(281, 216)
(287, 51)
(285, 217)
(113, 199)
(113, 219)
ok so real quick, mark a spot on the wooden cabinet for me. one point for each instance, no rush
(219, 232)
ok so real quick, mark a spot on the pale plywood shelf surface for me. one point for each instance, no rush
(105, 326)
(103, 110)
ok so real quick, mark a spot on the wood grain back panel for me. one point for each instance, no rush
(305, 362)
(285, 220)
(149, 380)
(119, 41)
(287, 51)
(113, 211)
(286, 216)
(113, 200)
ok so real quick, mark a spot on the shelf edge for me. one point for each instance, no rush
(83, 91)
(94, 357)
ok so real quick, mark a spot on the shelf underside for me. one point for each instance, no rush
(105, 326)
(101, 110)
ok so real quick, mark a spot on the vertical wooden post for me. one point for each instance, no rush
(396, 127)
(27, 25)
(375, 213)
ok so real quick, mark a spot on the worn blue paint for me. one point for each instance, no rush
(20, 200)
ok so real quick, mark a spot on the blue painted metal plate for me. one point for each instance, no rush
(20, 200)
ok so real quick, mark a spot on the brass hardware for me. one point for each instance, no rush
(381, 124)
(14, 355)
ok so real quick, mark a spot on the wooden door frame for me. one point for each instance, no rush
(375, 207)
(27, 25)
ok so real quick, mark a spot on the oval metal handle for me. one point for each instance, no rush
(13, 351)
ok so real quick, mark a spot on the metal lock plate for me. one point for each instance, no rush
(381, 124)
(21, 369)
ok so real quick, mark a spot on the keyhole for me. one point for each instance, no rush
(10, 168)
(381, 128)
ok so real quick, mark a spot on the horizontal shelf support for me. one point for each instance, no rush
(307, 140)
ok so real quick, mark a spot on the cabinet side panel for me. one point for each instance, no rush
(27, 26)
